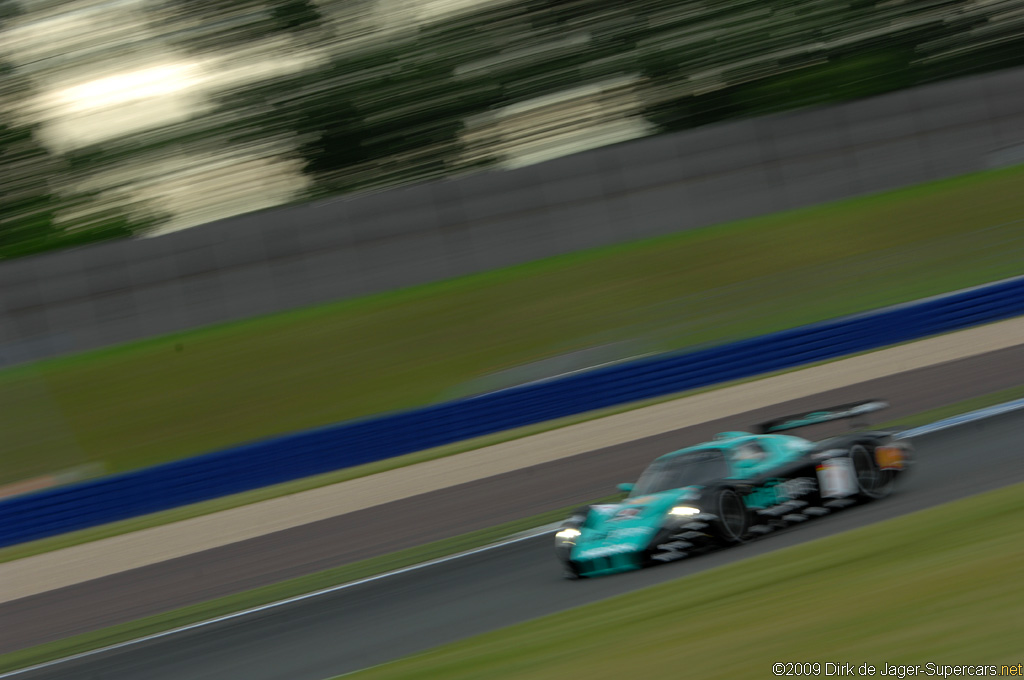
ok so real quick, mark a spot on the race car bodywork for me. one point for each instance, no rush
(739, 486)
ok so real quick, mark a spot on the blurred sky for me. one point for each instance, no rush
(103, 69)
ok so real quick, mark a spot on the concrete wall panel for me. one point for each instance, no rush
(59, 276)
(806, 133)
(649, 150)
(889, 117)
(949, 151)
(385, 264)
(880, 167)
(640, 177)
(21, 296)
(491, 194)
(164, 306)
(1006, 96)
(15, 272)
(818, 179)
(712, 138)
(949, 104)
(81, 319)
(508, 242)
(117, 332)
(586, 225)
(251, 290)
(748, 193)
(731, 156)
(576, 178)
(1008, 131)
(658, 211)
(332, 275)
(28, 324)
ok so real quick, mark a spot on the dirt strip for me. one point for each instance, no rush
(77, 564)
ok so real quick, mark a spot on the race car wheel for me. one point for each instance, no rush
(872, 482)
(733, 517)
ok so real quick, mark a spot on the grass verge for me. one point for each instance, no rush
(172, 397)
(278, 591)
(938, 586)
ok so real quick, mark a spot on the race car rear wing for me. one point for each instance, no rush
(840, 412)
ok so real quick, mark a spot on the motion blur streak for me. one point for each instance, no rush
(165, 114)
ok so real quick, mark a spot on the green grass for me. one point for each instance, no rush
(163, 399)
(279, 591)
(941, 586)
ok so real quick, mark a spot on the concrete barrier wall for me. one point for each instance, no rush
(304, 255)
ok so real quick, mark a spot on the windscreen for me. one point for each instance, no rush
(698, 468)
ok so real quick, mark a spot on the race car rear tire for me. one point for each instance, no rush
(873, 483)
(733, 518)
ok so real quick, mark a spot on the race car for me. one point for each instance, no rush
(739, 486)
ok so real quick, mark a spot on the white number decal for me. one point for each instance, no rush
(836, 478)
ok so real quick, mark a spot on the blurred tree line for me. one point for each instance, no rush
(394, 110)
(38, 211)
(219, 24)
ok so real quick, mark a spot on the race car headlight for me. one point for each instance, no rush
(568, 534)
(684, 511)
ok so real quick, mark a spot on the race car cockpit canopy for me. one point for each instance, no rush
(695, 468)
(730, 435)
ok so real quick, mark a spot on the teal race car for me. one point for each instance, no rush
(739, 486)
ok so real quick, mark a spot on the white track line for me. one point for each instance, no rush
(953, 421)
(943, 424)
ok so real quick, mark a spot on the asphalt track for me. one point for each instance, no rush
(389, 618)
